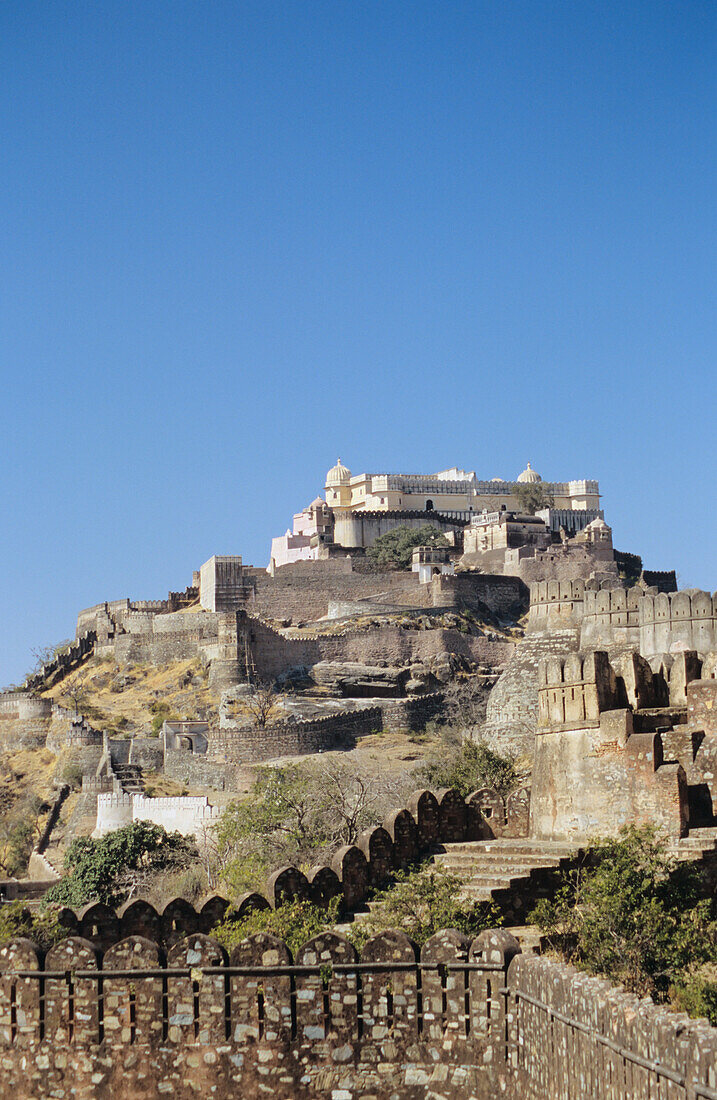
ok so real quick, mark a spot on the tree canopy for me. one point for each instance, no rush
(111, 868)
(532, 496)
(395, 548)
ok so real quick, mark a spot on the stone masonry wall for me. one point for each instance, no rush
(294, 737)
(325, 1023)
(461, 1019)
(574, 1037)
(592, 773)
(678, 620)
(274, 653)
(302, 591)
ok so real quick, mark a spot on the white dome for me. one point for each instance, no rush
(529, 475)
(598, 524)
(338, 474)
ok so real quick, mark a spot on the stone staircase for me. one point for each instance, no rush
(700, 843)
(129, 777)
(515, 873)
(512, 872)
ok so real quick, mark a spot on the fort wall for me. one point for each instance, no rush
(556, 604)
(185, 814)
(459, 1018)
(611, 616)
(273, 652)
(24, 720)
(294, 737)
(673, 621)
(592, 771)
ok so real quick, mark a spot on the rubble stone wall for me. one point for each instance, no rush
(458, 1019)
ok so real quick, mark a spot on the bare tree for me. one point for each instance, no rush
(76, 689)
(261, 704)
(465, 702)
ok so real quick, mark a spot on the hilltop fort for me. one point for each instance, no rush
(599, 674)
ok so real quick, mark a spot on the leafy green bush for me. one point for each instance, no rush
(637, 916)
(108, 868)
(421, 903)
(532, 496)
(295, 922)
(42, 925)
(695, 992)
(467, 766)
(395, 548)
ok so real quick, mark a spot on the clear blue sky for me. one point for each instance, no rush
(239, 239)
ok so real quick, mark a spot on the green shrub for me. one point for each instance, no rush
(106, 869)
(295, 922)
(637, 916)
(42, 926)
(421, 903)
(467, 766)
(395, 548)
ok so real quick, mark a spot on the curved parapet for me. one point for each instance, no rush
(611, 616)
(573, 691)
(556, 604)
(675, 621)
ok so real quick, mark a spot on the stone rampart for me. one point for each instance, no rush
(512, 709)
(592, 770)
(272, 652)
(556, 604)
(294, 737)
(199, 771)
(575, 1036)
(323, 1023)
(505, 597)
(611, 616)
(302, 591)
(574, 690)
(63, 663)
(406, 835)
(185, 814)
(24, 720)
(461, 1018)
(673, 621)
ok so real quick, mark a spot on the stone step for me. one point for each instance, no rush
(527, 847)
(517, 870)
(467, 860)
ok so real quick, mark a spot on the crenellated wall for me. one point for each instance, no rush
(185, 813)
(611, 616)
(593, 770)
(323, 1023)
(556, 604)
(678, 620)
(461, 1018)
(295, 737)
(575, 1037)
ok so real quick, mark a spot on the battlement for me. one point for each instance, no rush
(327, 1020)
(611, 615)
(556, 603)
(185, 813)
(407, 833)
(670, 621)
(574, 690)
(260, 1018)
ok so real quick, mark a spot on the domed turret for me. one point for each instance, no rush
(338, 475)
(529, 475)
